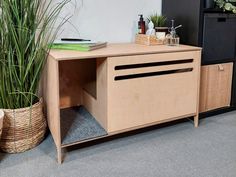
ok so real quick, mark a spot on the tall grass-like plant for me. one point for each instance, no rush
(26, 29)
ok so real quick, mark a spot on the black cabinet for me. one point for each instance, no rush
(219, 37)
(187, 13)
(211, 29)
(207, 27)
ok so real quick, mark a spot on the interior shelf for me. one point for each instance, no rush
(79, 125)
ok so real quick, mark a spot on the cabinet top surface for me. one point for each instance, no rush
(115, 50)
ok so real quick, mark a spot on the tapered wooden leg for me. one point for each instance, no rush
(196, 121)
(59, 155)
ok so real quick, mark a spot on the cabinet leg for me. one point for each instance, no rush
(196, 121)
(59, 155)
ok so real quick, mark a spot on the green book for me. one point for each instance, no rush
(78, 47)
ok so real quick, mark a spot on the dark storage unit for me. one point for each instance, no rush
(207, 27)
(219, 37)
(187, 13)
(209, 4)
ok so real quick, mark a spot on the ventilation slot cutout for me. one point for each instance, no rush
(151, 74)
(144, 65)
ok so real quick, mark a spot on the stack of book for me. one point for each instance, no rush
(77, 45)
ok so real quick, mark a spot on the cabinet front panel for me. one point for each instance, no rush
(216, 83)
(146, 89)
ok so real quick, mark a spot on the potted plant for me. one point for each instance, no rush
(227, 5)
(26, 29)
(159, 22)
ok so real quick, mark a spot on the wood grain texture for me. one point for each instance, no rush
(76, 75)
(216, 84)
(198, 68)
(51, 98)
(139, 101)
(148, 40)
(98, 107)
(113, 50)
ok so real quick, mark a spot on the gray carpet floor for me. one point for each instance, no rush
(175, 151)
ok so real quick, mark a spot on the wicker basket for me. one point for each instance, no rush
(23, 128)
(148, 40)
(1, 122)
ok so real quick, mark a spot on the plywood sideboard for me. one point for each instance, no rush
(119, 88)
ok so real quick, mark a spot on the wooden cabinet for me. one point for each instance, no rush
(123, 87)
(216, 83)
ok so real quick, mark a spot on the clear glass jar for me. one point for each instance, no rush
(172, 39)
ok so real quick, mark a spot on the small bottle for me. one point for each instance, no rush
(141, 25)
(173, 39)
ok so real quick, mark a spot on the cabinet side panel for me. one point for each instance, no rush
(102, 91)
(51, 98)
(203, 88)
(98, 106)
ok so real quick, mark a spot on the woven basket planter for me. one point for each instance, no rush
(1, 122)
(23, 129)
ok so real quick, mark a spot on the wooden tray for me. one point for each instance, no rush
(148, 40)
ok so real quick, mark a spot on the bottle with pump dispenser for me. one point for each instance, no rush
(141, 25)
(173, 39)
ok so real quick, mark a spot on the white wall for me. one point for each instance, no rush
(106, 20)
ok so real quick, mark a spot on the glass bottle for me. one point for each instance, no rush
(172, 39)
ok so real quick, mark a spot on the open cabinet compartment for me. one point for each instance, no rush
(75, 78)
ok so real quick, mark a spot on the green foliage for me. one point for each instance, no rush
(26, 28)
(158, 20)
(227, 5)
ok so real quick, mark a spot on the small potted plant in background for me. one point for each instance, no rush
(26, 29)
(159, 22)
(227, 5)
